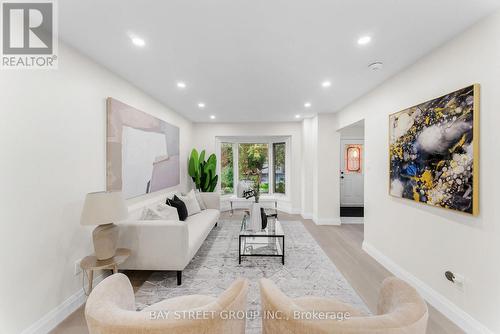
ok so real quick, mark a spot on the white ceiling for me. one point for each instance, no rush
(261, 60)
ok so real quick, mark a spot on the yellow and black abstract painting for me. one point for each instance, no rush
(434, 151)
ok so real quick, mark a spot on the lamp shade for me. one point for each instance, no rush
(103, 208)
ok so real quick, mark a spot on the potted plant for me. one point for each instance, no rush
(203, 173)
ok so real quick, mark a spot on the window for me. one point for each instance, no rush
(227, 177)
(279, 152)
(249, 159)
(253, 164)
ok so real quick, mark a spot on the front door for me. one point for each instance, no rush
(351, 172)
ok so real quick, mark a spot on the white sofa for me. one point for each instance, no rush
(166, 244)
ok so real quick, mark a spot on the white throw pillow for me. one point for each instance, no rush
(167, 212)
(200, 200)
(149, 214)
(191, 202)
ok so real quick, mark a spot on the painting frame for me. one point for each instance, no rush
(475, 146)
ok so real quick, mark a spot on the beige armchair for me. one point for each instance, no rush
(400, 310)
(111, 309)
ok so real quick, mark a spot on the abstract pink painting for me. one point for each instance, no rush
(142, 151)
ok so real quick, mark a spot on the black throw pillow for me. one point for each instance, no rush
(177, 203)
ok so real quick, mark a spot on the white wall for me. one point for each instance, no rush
(426, 241)
(356, 131)
(327, 195)
(320, 169)
(52, 144)
(307, 167)
(204, 137)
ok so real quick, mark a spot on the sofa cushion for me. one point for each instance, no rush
(149, 214)
(166, 212)
(200, 200)
(199, 225)
(191, 202)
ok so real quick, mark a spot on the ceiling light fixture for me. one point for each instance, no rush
(137, 41)
(297, 116)
(201, 105)
(181, 84)
(212, 116)
(326, 84)
(363, 40)
(307, 104)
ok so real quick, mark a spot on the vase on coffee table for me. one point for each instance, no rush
(255, 217)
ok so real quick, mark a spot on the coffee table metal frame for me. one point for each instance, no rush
(278, 235)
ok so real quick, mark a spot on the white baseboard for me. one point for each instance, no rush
(352, 220)
(461, 318)
(306, 215)
(290, 211)
(50, 320)
(326, 221)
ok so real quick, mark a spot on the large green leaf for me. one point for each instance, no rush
(212, 163)
(202, 157)
(213, 183)
(193, 168)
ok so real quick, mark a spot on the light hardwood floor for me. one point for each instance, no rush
(342, 244)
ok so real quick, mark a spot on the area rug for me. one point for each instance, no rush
(307, 271)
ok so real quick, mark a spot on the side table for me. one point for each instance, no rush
(91, 263)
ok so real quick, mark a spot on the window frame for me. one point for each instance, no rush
(269, 140)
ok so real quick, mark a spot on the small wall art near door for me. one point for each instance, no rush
(434, 151)
(142, 151)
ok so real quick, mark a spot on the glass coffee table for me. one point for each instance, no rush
(267, 242)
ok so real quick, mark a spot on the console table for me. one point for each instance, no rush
(239, 200)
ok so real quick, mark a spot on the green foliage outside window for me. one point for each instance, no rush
(253, 164)
(279, 156)
(227, 160)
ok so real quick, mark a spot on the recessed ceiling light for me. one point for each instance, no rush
(363, 40)
(297, 116)
(201, 105)
(307, 104)
(326, 84)
(181, 84)
(212, 116)
(138, 41)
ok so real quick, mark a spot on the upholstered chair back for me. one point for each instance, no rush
(401, 310)
(111, 309)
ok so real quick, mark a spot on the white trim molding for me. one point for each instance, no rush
(352, 220)
(326, 221)
(52, 319)
(306, 215)
(461, 318)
